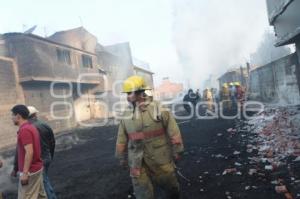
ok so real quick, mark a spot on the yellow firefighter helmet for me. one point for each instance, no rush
(237, 83)
(134, 83)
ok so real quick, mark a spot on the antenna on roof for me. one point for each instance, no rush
(81, 23)
(23, 27)
(30, 30)
(45, 31)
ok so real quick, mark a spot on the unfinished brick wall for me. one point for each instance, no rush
(38, 94)
(8, 98)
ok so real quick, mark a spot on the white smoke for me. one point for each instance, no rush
(267, 52)
(212, 36)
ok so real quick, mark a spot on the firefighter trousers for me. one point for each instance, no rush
(163, 175)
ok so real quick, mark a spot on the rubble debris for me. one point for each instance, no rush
(229, 171)
(182, 176)
(219, 156)
(273, 141)
(231, 130)
(249, 150)
(239, 173)
(252, 171)
(288, 196)
(264, 160)
(275, 182)
(297, 159)
(227, 193)
(281, 189)
(276, 133)
(268, 167)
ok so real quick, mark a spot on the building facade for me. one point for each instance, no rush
(275, 82)
(68, 77)
(168, 90)
(284, 16)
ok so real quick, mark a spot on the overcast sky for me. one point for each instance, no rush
(181, 39)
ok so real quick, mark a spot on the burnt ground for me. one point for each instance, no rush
(85, 167)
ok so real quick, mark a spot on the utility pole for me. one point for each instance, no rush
(248, 73)
(81, 22)
(298, 63)
(242, 76)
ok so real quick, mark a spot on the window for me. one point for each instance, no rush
(87, 61)
(63, 56)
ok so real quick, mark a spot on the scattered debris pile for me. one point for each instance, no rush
(278, 134)
(273, 144)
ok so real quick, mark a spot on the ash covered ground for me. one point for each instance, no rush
(223, 159)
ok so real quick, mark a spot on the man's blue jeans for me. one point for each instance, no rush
(48, 187)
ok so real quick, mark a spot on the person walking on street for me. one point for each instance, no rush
(208, 98)
(191, 100)
(30, 164)
(149, 141)
(233, 95)
(47, 147)
(198, 94)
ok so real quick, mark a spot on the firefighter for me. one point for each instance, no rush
(208, 97)
(148, 141)
(225, 95)
(47, 146)
(225, 92)
(239, 91)
(191, 99)
(233, 95)
(198, 94)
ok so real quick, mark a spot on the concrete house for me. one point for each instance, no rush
(65, 76)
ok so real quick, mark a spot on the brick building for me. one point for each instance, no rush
(68, 77)
(168, 90)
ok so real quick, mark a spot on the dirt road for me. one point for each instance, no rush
(85, 167)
